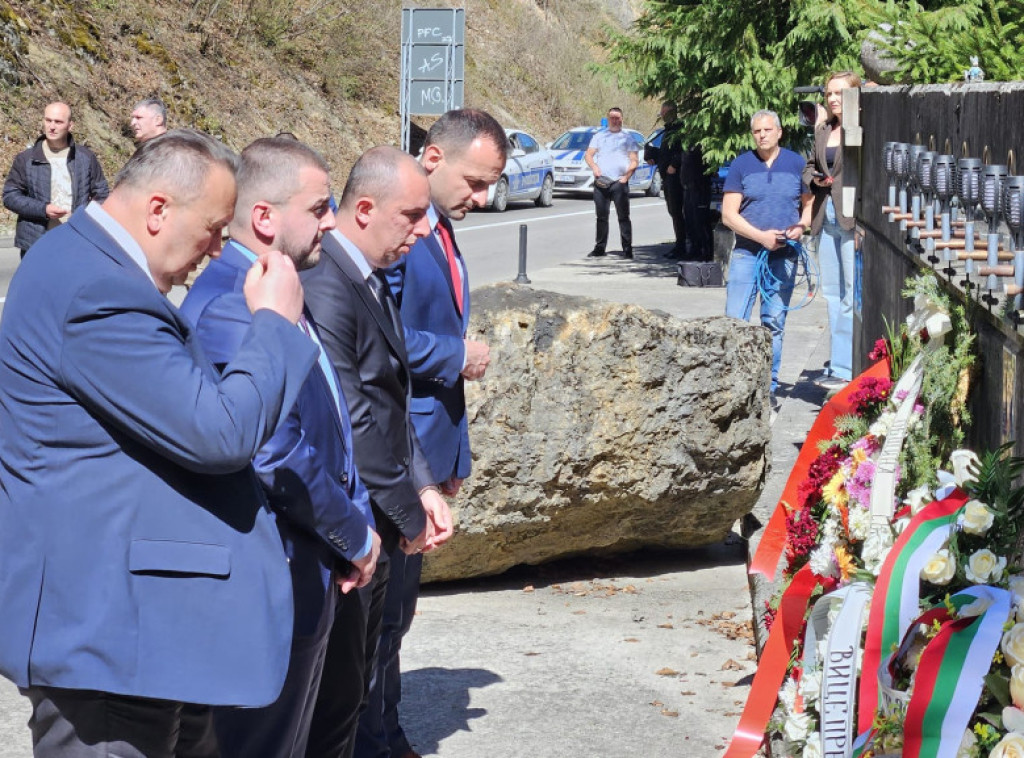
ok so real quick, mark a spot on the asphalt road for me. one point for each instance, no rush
(555, 235)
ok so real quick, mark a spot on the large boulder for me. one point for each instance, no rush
(605, 428)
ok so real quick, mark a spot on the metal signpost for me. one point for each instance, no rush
(433, 63)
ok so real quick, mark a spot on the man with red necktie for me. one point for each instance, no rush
(464, 154)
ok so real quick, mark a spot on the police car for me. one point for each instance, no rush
(572, 174)
(528, 175)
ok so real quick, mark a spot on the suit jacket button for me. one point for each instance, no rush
(343, 478)
(405, 460)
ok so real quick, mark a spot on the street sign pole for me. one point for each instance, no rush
(433, 67)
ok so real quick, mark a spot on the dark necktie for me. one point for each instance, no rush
(381, 291)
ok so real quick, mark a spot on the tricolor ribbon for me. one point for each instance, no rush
(773, 539)
(951, 675)
(896, 600)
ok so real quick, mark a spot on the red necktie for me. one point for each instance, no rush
(449, 253)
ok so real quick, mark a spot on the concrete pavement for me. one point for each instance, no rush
(645, 654)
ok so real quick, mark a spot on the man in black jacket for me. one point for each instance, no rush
(51, 179)
(667, 158)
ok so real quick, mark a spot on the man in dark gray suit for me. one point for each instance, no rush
(381, 214)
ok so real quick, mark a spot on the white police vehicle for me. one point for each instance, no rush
(572, 174)
(529, 174)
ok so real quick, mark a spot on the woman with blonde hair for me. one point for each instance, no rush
(834, 230)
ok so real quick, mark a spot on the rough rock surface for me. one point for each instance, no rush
(604, 428)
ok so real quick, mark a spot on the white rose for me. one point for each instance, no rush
(797, 726)
(976, 518)
(1017, 686)
(1010, 746)
(966, 749)
(1013, 719)
(918, 498)
(965, 466)
(940, 568)
(812, 749)
(983, 566)
(810, 686)
(1016, 585)
(1012, 645)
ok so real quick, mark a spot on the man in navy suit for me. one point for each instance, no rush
(140, 569)
(381, 213)
(464, 154)
(307, 468)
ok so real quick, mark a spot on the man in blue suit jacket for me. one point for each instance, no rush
(464, 153)
(307, 467)
(140, 568)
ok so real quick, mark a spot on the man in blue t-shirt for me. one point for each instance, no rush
(767, 204)
(613, 157)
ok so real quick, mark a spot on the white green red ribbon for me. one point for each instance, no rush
(951, 675)
(896, 600)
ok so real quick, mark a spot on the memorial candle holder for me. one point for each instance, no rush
(968, 191)
(1013, 215)
(991, 192)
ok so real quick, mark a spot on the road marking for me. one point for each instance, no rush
(589, 212)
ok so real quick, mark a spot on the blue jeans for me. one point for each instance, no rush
(742, 290)
(836, 259)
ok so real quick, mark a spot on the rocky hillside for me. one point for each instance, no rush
(326, 70)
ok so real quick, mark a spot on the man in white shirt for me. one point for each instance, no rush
(612, 156)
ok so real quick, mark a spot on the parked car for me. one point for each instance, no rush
(528, 175)
(574, 176)
(653, 145)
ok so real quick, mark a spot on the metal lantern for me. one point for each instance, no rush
(1013, 209)
(992, 178)
(1013, 214)
(968, 184)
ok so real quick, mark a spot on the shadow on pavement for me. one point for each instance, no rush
(444, 694)
(648, 261)
(640, 564)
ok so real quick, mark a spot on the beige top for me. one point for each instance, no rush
(60, 182)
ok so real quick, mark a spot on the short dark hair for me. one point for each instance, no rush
(375, 174)
(268, 169)
(615, 108)
(455, 131)
(178, 160)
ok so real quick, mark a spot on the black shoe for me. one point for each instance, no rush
(596, 253)
(626, 254)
